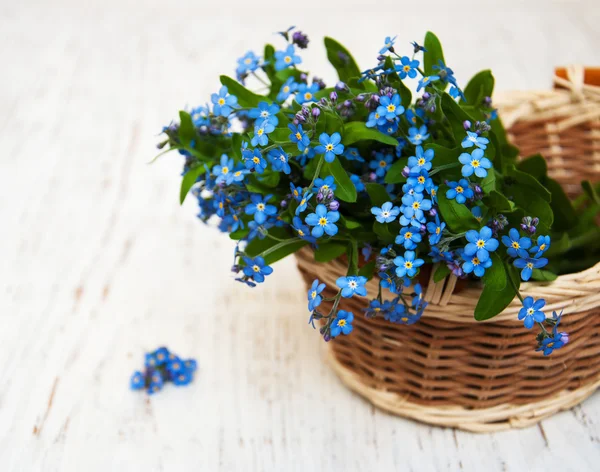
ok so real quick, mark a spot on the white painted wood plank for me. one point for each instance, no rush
(99, 264)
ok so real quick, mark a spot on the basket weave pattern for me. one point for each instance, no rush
(448, 369)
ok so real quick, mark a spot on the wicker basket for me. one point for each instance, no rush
(450, 370)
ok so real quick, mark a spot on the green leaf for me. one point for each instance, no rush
(351, 223)
(479, 87)
(456, 116)
(346, 190)
(543, 275)
(441, 273)
(495, 276)
(434, 53)
(341, 59)
(280, 135)
(378, 194)
(558, 245)
(394, 173)
(488, 184)
(565, 216)
(457, 216)
(239, 234)
(590, 191)
(189, 179)
(187, 130)
(357, 131)
(284, 251)
(330, 251)
(535, 166)
(533, 205)
(528, 181)
(256, 186)
(492, 302)
(236, 146)
(367, 270)
(383, 231)
(245, 97)
(498, 202)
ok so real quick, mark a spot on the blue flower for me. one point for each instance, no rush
(256, 269)
(259, 208)
(352, 154)
(543, 243)
(387, 282)
(418, 181)
(473, 139)
(390, 108)
(375, 119)
(330, 146)
(299, 136)
(296, 192)
(224, 171)
(223, 102)
(407, 264)
(138, 381)
(455, 92)
(307, 154)
(517, 246)
(306, 93)
(358, 183)
(288, 87)
(389, 128)
(459, 191)
(408, 67)
(323, 221)
(303, 202)
(376, 307)
(528, 264)
(328, 183)
(388, 44)
(352, 285)
(261, 131)
(247, 63)
(279, 160)
(265, 112)
(156, 383)
(421, 161)
(200, 116)
(302, 230)
(342, 323)
(408, 238)
(531, 312)
(480, 243)
(386, 214)
(548, 345)
(287, 58)
(414, 205)
(426, 81)
(435, 230)
(473, 264)
(474, 163)
(314, 297)
(190, 364)
(417, 135)
(381, 163)
(254, 160)
(182, 378)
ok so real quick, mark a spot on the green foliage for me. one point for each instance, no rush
(479, 87)
(245, 97)
(456, 215)
(341, 59)
(434, 53)
(189, 179)
(346, 190)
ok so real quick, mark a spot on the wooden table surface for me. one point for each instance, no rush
(100, 264)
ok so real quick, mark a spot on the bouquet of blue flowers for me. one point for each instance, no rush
(394, 168)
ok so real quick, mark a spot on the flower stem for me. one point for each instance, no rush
(317, 172)
(444, 167)
(268, 251)
(512, 282)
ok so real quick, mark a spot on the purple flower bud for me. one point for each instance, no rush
(433, 212)
(487, 101)
(432, 109)
(320, 196)
(334, 205)
(316, 111)
(405, 171)
(372, 177)
(348, 103)
(319, 82)
(305, 111)
(341, 87)
(333, 96)
(295, 121)
(375, 98)
(300, 117)
(327, 338)
(423, 229)
(426, 96)
(466, 124)
(360, 98)
(323, 101)
(380, 58)
(564, 337)
(300, 39)
(284, 203)
(303, 77)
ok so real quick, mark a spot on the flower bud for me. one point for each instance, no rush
(466, 124)
(360, 98)
(316, 111)
(334, 205)
(341, 87)
(405, 171)
(333, 96)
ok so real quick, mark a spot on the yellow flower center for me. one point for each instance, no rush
(287, 59)
(459, 189)
(530, 265)
(421, 162)
(255, 159)
(300, 232)
(530, 311)
(542, 247)
(391, 108)
(406, 68)
(421, 179)
(408, 265)
(221, 101)
(255, 268)
(515, 245)
(480, 243)
(286, 89)
(298, 136)
(322, 221)
(260, 206)
(382, 163)
(225, 170)
(404, 318)
(416, 205)
(425, 79)
(260, 131)
(307, 96)
(475, 261)
(408, 235)
(437, 230)
(475, 163)
(329, 147)
(341, 323)
(313, 294)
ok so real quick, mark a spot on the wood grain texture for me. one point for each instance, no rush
(100, 264)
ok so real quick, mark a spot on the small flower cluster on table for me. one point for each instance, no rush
(359, 168)
(163, 366)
